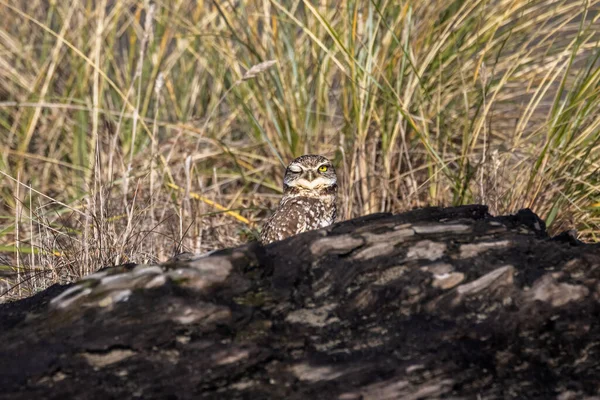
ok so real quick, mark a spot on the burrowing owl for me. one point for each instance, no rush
(308, 202)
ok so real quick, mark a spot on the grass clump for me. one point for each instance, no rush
(134, 130)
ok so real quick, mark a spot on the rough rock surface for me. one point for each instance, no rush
(433, 303)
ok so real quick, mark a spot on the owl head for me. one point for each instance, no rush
(310, 173)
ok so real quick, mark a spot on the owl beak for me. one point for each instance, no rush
(310, 176)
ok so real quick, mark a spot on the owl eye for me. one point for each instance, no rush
(323, 168)
(295, 169)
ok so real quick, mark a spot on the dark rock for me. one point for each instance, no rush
(433, 303)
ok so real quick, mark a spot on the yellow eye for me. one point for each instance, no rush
(323, 168)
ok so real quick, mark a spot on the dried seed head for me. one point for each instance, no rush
(258, 68)
(160, 80)
(483, 74)
(148, 25)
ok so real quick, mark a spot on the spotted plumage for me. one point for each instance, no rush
(308, 202)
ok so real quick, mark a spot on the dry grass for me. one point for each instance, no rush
(131, 131)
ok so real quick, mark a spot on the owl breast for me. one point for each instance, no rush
(298, 214)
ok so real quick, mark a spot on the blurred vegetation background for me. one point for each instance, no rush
(134, 130)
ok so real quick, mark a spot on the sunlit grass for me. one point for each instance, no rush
(132, 131)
